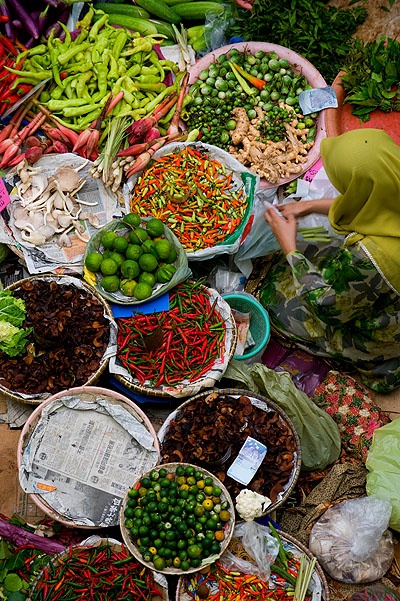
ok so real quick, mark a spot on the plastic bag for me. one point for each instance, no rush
(383, 465)
(351, 540)
(259, 543)
(225, 281)
(318, 432)
(375, 592)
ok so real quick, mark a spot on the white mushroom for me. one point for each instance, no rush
(34, 237)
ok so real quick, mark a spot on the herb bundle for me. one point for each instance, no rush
(314, 30)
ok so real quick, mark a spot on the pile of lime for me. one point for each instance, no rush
(177, 518)
(134, 263)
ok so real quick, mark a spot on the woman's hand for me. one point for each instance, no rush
(294, 209)
(248, 4)
(284, 229)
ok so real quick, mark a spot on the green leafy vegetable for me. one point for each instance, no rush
(318, 32)
(13, 338)
(371, 77)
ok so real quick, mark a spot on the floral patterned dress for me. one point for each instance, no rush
(332, 302)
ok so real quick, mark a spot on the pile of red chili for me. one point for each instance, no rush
(190, 338)
(9, 93)
(193, 195)
(95, 573)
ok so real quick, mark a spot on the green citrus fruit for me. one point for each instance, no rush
(130, 269)
(117, 257)
(132, 219)
(163, 248)
(138, 235)
(134, 251)
(110, 283)
(148, 262)
(172, 256)
(148, 247)
(154, 227)
(148, 278)
(93, 261)
(163, 275)
(120, 244)
(143, 291)
(108, 267)
(107, 239)
(127, 287)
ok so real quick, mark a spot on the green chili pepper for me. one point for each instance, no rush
(81, 86)
(40, 49)
(59, 105)
(119, 43)
(66, 56)
(93, 32)
(81, 67)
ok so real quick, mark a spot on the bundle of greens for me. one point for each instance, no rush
(13, 338)
(314, 30)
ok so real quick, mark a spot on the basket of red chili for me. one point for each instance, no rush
(201, 193)
(177, 518)
(102, 569)
(210, 429)
(178, 351)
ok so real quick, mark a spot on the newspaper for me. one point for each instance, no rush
(50, 257)
(83, 455)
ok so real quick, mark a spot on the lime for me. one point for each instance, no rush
(143, 291)
(127, 287)
(132, 219)
(194, 551)
(108, 267)
(159, 563)
(148, 247)
(130, 269)
(154, 227)
(93, 261)
(138, 235)
(120, 244)
(163, 276)
(107, 239)
(117, 257)
(147, 278)
(163, 248)
(172, 256)
(148, 262)
(133, 251)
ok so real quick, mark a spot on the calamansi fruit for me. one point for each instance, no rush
(142, 291)
(117, 257)
(163, 248)
(148, 278)
(110, 283)
(120, 244)
(130, 269)
(172, 256)
(133, 251)
(138, 235)
(148, 262)
(108, 267)
(155, 227)
(107, 239)
(93, 261)
(132, 219)
(127, 287)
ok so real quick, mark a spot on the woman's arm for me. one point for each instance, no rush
(284, 229)
(305, 207)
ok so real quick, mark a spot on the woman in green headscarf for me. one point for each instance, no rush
(342, 299)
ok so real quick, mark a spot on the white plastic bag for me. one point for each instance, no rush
(351, 540)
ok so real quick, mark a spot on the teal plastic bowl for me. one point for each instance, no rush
(259, 323)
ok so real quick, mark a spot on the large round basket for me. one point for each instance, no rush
(187, 388)
(110, 546)
(228, 527)
(79, 450)
(55, 381)
(320, 588)
(217, 419)
(299, 64)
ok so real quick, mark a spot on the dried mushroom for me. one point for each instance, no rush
(210, 431)
(70, 335)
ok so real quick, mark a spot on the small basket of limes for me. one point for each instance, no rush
(132, 259)
(177, 518)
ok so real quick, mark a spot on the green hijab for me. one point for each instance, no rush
(364, 166)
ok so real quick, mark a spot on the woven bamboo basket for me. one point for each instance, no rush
(258, 400)
(295, 546)
(228, 528)
(86, 394)
(188, 390)
(62, 559)
(36, 399)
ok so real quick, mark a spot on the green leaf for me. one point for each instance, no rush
(13, 582)
(4, 550)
